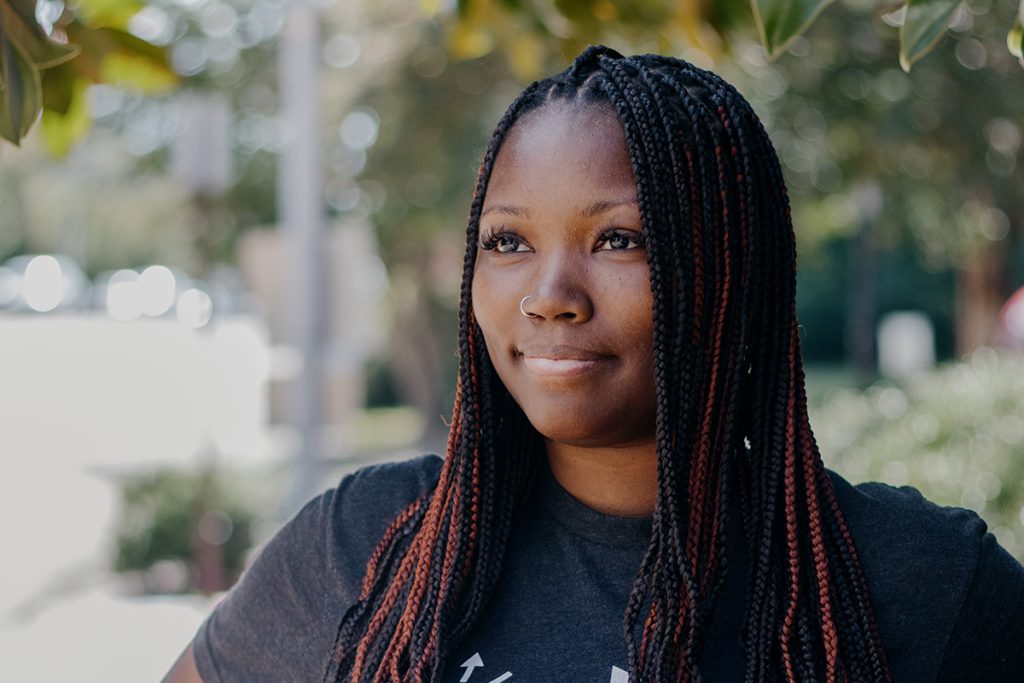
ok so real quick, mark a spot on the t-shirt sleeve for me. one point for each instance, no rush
(268, 627)
(987, 642)
(278, 624)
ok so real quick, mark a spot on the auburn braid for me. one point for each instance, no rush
(731, 421)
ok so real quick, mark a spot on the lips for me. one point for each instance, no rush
(560, 360)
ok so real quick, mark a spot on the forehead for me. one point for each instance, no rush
(562, 148)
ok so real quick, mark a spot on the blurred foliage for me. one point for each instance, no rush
(122, 202)
(416, 187)
(162, 514)
(955, 433)
(928, 158)
(532, 33)
(49, 53)
(919, 171)
(779, 22)
(924, 23)
(25, 51)
(904, 284)
(888, 161)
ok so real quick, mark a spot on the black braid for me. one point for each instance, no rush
(731, 420)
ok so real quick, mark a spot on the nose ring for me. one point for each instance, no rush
(523, 310)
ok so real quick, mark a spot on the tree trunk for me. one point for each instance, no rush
(418, 363)
(862, 306)
(980, 291)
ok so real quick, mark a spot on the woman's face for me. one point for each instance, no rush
(561, 225)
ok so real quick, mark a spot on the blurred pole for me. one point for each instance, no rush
(862, 287)
(201, 160)
(980, 290)
(302, 217)
(862, 306)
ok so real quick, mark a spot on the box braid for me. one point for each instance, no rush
(731, 419)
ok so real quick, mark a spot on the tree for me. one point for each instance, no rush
(49, 57)
(545, 30)
(938, 147)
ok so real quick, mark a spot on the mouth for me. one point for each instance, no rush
(560, 361)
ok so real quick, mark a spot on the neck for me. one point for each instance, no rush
(621, 481)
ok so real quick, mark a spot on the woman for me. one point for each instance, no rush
(631, 489)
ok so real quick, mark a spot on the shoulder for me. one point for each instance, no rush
(987, 643)
(337, 530)
(357, 512)
(278, 622)
(921, 561)
(903, 539)
(372, 496)
(385, 487)
(880, 511)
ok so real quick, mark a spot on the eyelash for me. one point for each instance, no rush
(489, 240)
(634, 237)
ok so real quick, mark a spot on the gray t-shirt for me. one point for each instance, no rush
(949, 601)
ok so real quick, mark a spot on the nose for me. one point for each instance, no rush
(561, 291)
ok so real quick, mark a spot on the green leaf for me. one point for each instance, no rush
(110, 55)
(134, 63)
(1015, 38)
(58, 84)
(113, 13)
(61, 131)
(779, 22)
(18, 25)
(20, 99)
(468, 41)
(924, 24)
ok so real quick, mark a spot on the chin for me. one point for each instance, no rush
(569, 437)
(583, 433)
(571, 433)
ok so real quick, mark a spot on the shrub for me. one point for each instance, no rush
(956, 433)
(166, 515)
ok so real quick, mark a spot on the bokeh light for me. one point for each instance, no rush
(124, 299)
(156, 286)
(194, 308)
(359, 128)
(215, 527)
(43, 284)
(341, 51)
(10, 286)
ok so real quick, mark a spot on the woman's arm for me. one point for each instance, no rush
(184, 670)
(987, 643)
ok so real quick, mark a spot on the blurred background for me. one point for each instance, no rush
(230, 253)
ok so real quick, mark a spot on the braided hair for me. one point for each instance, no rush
(731, 419)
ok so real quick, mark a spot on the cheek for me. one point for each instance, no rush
(636, 314)
(632, 305)
(486, 310)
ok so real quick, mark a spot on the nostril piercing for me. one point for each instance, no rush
(523, 310)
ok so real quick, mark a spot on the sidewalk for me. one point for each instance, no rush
(98, 636)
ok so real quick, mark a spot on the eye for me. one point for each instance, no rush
(618, 239)
(503, 241)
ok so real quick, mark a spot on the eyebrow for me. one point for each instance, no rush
(517, 211)
(594, 209)
(600, 207)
